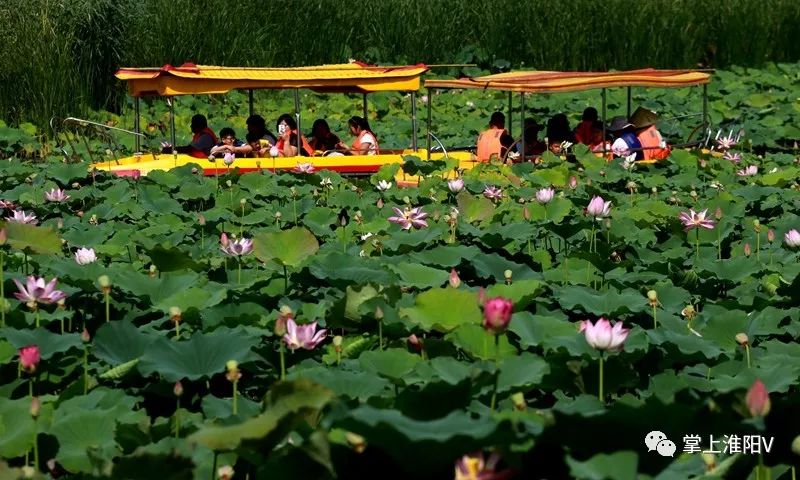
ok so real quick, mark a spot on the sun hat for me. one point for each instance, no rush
(618, 123)
(643, 118)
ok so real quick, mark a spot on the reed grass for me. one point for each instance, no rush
(59, 57)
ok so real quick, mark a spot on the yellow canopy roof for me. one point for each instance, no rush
(189, 79)
(551, 82)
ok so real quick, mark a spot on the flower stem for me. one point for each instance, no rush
(697, 244)
(282, 351)
(496, 370)
(239, 274)
(2, 291)
(85, 370)
(285, 281)
(294, 208)
(38, 317)
(241, 223)
(380, 334)
(758, 246)
(747, 351)
(235, 396)
(108, 306)
(178, 418)
(600, 394)
(591, 238)
(177, 330)
(655, 320)
(719, 244)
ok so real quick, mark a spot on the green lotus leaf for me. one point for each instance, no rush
(17, 427)
(419, 276)
(288, 402)
(201, 356)
(610, 302)
(337, 266)
(85, 438)
(119, 342)
(32, 238)
(443, 309)
(393, 363)
(615, 466)
(474, 209)
(521, 372)
(345, 383)
(287, 247)
(49, 343)
(477, 342)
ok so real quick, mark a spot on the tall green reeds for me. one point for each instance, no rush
(59, 57)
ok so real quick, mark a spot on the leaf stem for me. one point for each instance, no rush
(235, 396)
(85, 370)
(496, 370)
(108, 306)
(747, 351)
(282, 351)
(2, 290)
(600, 394)
(697, 244)
(178, 418)
(655, 319)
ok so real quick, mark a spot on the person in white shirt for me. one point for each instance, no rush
(365, 143)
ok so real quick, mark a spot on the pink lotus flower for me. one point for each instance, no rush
(726, 143)
(748, 172)
(304, 168)
(229, 158)
(408, 218)
(85, 256)
(602, 336)
(493, 193)
(598, 208)
(29, 357)
(302, 336)
(758, 399)
(36, 291)
(792, 238)
(747, 249)
(455, 185)
(733, 157)
(7, 205)
(692, 219)
(475, 467)
(573, 182)
(19, 216)
(235, 248)
(544, 195)
(56, 195)
(454, 280)
(497, 314)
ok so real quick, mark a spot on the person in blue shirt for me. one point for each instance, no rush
(625, 140)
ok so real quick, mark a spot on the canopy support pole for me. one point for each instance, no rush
(414, 121)
(629, 103)
(522, 123)
(365, 108)
(706, 121)
(297, 119)
(250, 99)
(171, 103)
(510, 113)
(603, 119)
(428, 126)
(136, 120)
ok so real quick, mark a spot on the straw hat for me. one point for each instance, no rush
(619, 123)
(643, 118)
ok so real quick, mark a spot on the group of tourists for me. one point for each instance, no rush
(624, 137)
(261, 142)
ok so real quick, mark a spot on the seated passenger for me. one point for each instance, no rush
(365, 143)
(259, 148)
(287, 138)
(257, 125)
(558, 132)
(230, 144)
(625, 142)
(322, 139)
(533, 146)
(495, 141)
(202, 142)
(653, 145)
(590, 131)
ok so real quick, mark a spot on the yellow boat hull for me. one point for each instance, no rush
(141, 165)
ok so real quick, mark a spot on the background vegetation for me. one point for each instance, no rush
(59, 57)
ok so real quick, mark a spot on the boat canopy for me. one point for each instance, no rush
(191, 79)
(553, 82)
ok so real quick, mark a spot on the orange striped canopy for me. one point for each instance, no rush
(552, 82)
(190, 79)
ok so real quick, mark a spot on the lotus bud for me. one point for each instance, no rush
(770, 235)
(796, 445)
(201, 220)
(573, 182)
(757, 399)
(229, 184)
(378, 313)
(226, 472)
(194, 170)
(28, 471)
(747, 249)
(526, 214)
(5, 305)
(497, 314)
(177, 389)
(153, 271)
(243, 202)
(710, 460)
(356, 441)
(693, 194)
(703, 163)
(337, 343)
(652, 296)
(175, 314)
(36, 405)
(689, 312)
(414, 343)
(508, 274)
(379, 203)
(284, 315)
(654, 190)
(4, 236)
(742, 339)
(80, 214)
(76, 185)
(105, 283)
(718, 213)
(519, 401)
(455, 280)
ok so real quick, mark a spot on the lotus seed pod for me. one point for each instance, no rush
(278, 215)
(243, 202)
(175, 314)
(104, 281)
(508, 274)
(226, 472)
(654, 190)
(407, 200)
(229, 183)
(356, 441)
(28, 471)
(337, 341)
(796, 445)
(519, 401)
(652, 295)
(710, 460)
(742, 339)
(232, 365)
